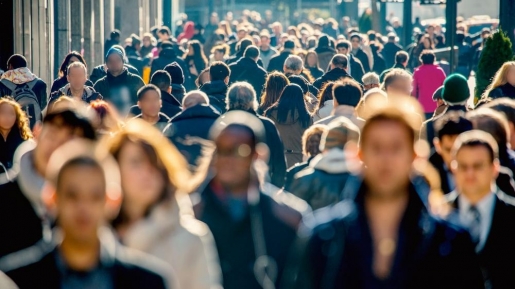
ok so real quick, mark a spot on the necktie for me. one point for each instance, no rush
(475, 224)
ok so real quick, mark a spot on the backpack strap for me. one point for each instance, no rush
(32, 83)
(8, 84)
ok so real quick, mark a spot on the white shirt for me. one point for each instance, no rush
(486, 209)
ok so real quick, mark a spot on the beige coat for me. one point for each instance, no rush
(175, 236)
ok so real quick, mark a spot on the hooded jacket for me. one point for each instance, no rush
(170, 105)
(168, 56)
(88, 96)
(172, 234)
(101, 71)
(216, 91)
(248, 70)
(322, 182)
(21, 76)
(121, 90)
(332, 75)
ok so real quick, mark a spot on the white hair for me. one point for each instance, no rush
(242, 96)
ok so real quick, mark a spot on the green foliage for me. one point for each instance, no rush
(496, 51)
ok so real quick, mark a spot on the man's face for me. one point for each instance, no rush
(401, 86)
(114, 63)
(242, 34)
(150, 104)
(355, 43)
(443, 147)
(163, 36)
(473, 170)
(52, 136)
(77, 77)
(80, 201)
(342, 50)
(387, 153)
(233, 158)
(265, 41)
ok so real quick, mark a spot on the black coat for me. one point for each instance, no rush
(363, 58)
(128, 270)
(332, 75)
(505, 90)
(63, 81)
(8, 147)
(39, 90)
(427, 130)
(101, 71)
(121, 90)
(235, 240)
(356, 68)
(389, 51)
(431, 253)
(217, 92)
(277, 62)
(178, 91)
(496, 257)
(184, 128)
(292, 171)
(168, 56)
(248, 70)
(170, 105)
(316, 72)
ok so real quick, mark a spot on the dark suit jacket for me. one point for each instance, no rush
(496, 257)
(248, 70)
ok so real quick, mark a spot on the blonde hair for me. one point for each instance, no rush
(22, 121)
(499, 78)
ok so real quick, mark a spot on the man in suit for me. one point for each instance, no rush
(481, 207)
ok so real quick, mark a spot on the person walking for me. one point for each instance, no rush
(14, 129)
(247, 69)
(76, 75)
(277, 62)
(216, 88)
(62, 80)
(346, 97)
(292, 118)
(426, 80)
(338, 71)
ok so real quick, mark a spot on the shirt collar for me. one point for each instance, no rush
(484, 206)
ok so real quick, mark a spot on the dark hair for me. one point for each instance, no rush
(291, 104)
(344, 44)
(355, 35)
(199, 58)
(114, 34)
(164, 30)
(427, 57)
(492, 122)
(460, 37)
(505, 105)
(340, 60)
(371, 35)
(16, 61)
(325, 94)
(347, 93)
(401, 57)
(73, 119)
(274, 86)
(431, 44)
(219, 71)
(63, 70)
(477, 139)
(81, 161)
(311, 140)
(440, 38)
(161, 79)
(452, 123)
(142, 91)
(243, 44)
(251, 52)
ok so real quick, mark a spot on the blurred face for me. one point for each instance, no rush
(190, 51)
(265, 41)
(387, 153)
(443, 148)
(80, 201)
(474, 171)
(51, 137)
(355, 43)
(142, 183)
(77, 77)
(312, 60)
(114, 63)
(147, 41)
(277, 29)
(214, 19)
(401, 86)
(233, 158)
(427, 43)
(510, 76)
(342, 50)
(430, 30)
(7, 116)
(150, 103)
(242, 34)
(219, 56)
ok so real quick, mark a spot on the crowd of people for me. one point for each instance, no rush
(327, 156)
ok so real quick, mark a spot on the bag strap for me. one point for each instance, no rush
(32, 83)
(9, 84)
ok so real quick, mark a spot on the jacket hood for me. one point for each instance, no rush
(198, 111)
(168, 53)
(19, 75)
(333, 162)
(214, 87)
(178, 89)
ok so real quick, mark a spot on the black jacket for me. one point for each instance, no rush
(161, 123)
(292, 171)
(389, 51)
(63, 81)
(356, 68)
(189, 129)
(101, 71)
(363, 58)
(497, 255)
(167, 56)
(235, 239)
(431, 253)
(316, 72)
(321, 183)
(9, 146)
(39, 90)
(427, 130)
(277, 62)
(178, 91)
(379, 62)
(248, 70)
(170, 105)
(235, 58)
(505, 90)
(332, 75)
(216, 91)
(128, 269)
(121, 90)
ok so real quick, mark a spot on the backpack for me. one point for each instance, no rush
(25, 96)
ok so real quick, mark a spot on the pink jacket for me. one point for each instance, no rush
(427, 78)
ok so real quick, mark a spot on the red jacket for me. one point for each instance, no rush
(427, 78)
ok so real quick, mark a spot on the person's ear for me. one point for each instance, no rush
(226, 80)
(36, 131)
(49, 197)
(169, 90)
(139, 106)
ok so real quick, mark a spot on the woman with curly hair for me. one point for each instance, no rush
(14, 128)
(275, 83)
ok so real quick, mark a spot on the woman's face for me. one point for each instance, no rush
(219, 56)
(312, 60)
(147, 41)
(510, 77)
(7, 116)
(142, 183)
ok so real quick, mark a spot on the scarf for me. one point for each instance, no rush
(19, 75)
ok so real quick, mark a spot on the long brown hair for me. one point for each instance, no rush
(22, 121)
(275, 83)
(325, 94)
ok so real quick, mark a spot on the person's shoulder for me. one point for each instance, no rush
(29, 260)
(131, 261)
(287, 207)
(325, 120)
(328, 218)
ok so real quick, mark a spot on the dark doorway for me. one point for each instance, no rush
(7, 32)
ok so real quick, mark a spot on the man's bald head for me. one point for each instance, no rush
(193, 98)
